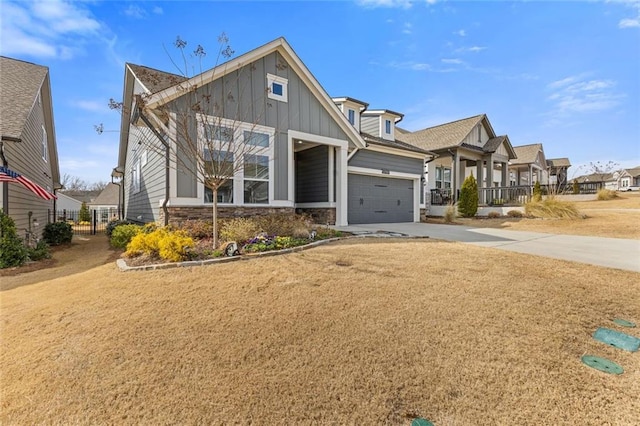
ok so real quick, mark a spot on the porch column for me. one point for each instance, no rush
(332, 195)
(530, 174)
(505, 174)
(480, 173)
(490, 172)
(341, 185)
(455, 185)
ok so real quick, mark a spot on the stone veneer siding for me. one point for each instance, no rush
(177, 215)
(320, 215)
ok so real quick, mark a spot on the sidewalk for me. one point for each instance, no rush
(608, 252)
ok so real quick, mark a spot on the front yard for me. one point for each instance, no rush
(355, 332)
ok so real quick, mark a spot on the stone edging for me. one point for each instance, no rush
(122, 264)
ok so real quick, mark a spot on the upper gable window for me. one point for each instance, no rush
(351, 114)
(45, 149)
(387, 127)
(277, 88)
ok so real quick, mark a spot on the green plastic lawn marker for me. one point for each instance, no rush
(421, 422)
(602, 364)
(617, 339)
(624, 322)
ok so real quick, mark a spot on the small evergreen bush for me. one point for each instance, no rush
(39, 252)
(576, 187)
(12, 250)
(537, 191)
(85, 213)
(122, 235)
(113, 224)
(57, 233)
(468, 203)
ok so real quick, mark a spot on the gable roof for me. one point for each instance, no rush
(446, 135)
(154, 80)
(20, 82)
(635, 171)
(527, 154)
(108, 196)
(558, 162)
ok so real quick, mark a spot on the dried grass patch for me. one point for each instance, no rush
(366, 332)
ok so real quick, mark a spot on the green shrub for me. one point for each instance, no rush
(85, 213)
(173, 246)
(240, 230)
(450, 214)
(113, 224)
(57, 233)
(122, 235)
(514, 213)
(551, 208)
(468, 202)
(12, 250)
(39, 252)
(606, 194)
(537, 191)
(493, 215)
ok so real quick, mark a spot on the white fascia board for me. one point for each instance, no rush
(378, 172)
(394, 151)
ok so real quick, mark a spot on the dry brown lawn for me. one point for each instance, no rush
(616, 218)
(356, 332)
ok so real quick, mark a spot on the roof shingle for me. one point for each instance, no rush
(442, 136)
(155, 80)
(526, 154)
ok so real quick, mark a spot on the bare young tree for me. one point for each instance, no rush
(204, 131)
(73, 183)
(600, 171)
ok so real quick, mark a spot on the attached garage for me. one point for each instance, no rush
(376, 199)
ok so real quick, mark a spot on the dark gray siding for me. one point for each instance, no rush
(241, 96)
(25, 157)
(370, 125)
(379, 160)
(312, 175)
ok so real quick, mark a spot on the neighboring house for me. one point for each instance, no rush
(28, 142)
(107, 203)
(463, 147)
(529, 166)
(313, 156)
(66, 204)
(622, 179)
(558, 170)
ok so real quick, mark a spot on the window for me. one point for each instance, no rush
(135, 177)
(225, 193)
(277, 88)
(256, 179)
(219, 164)
(387, 126)
(443, 178)
(214, 132)
(45, 149)
(351, 114)
(144, 157)
(256, 139)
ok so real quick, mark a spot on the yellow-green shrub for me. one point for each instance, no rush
(552, 208)
(123, 234)
(240, 230)
(169, 245)
(606, 194)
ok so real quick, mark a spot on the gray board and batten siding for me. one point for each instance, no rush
(383, 161)
(243, 95)
(312, 175)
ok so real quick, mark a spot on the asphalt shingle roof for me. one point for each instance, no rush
(635, 171)
(393, 144)
(558, 162)
(526, 154)
(442, 136)
(108, 196)
(155, 80)
(20, 83)
(493, 144)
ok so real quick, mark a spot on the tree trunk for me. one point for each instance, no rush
(215, 217)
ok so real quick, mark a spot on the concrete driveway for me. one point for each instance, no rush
(609, 252)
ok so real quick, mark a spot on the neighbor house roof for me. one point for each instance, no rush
(635, 171)
(526, 154)
(494, 143)
(595, 177)
(394, 144)
(82, 196)
(155, 80)
(20, 83)
(558, 162)
(347, 98)
(108, 196)
(447, 135)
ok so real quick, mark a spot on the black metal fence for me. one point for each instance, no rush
(91, 222)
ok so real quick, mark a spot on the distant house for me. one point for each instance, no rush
(107, 203)
(463, 147)
(558, 169)
(529, 166)
(66, 203)
(331, 158)
(28, 142)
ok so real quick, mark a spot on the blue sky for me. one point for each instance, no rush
(566, 74)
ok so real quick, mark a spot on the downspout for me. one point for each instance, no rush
(165, 210)
(5, 163)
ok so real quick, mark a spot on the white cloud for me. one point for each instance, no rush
(410, 65)
(157, 10)
(461, 33)
(577, 94)
(452, 61)
(406, 28)
(135, 12)
(403, 4)
(46, 29)
(629, 23)
(93, 106)
(473, 49)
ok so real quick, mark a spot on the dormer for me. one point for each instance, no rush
(381, 123)
(352, 109)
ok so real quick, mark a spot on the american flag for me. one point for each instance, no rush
(7, 175)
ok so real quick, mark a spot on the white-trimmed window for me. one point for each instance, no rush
(351, 115)
(219, 163)
(256, 179)
(387, 127)
(135, 177)
(45, 148)
(443, 177)
(277, 87)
